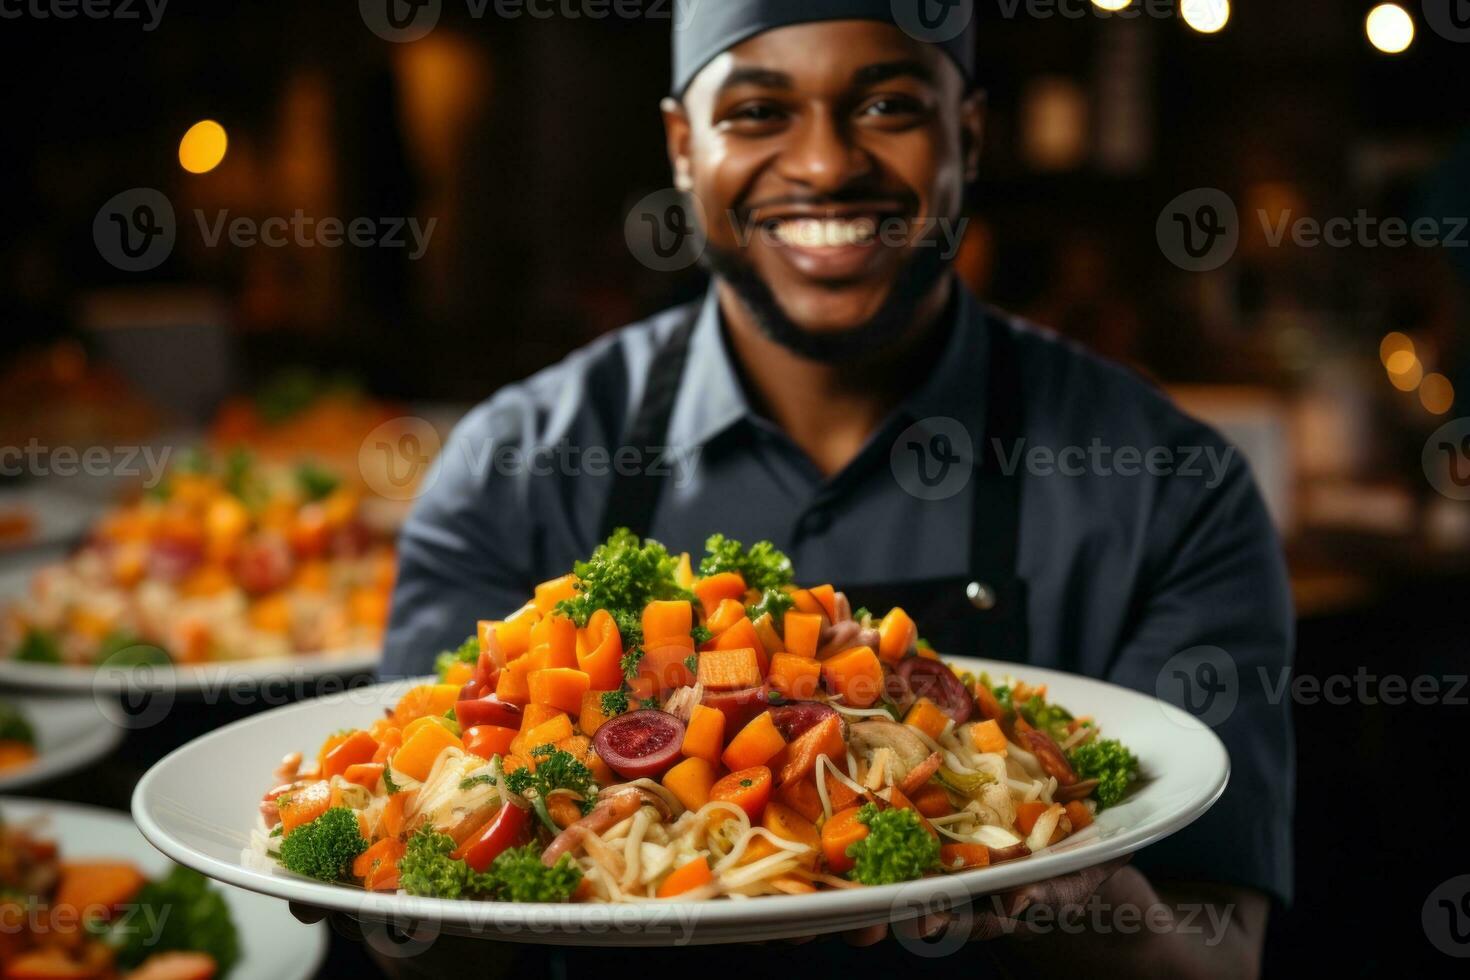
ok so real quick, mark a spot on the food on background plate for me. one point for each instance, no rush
(102, 919)
(226, 559)
(17, 738)
(640, 730)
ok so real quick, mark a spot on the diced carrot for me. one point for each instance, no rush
(421, 748)
(961, 857)
(554, 643)
(388, 850)
(427, 721)
(840, 833)
(742, 635)
(986, 736)
(805, 602)
(580, 747)
(749, 789)
(107, 884)
(756, 744)
(558, 687)
(605, 651)
(302, 806)
(563, 810)
(787, 824)
(357, 748)
(895, 635)
(328, 744)
(487, 741)
(1028, 813)
(537, 713)
(704, 735)
(794, 676)
(1079, 814)
(801, 633)
(932, 801)
(686, 877)
(547, 733)
(757, 849)
(690, 781)
(725, 615)
(826, 597)
(802, 797)
(823, 738)
(391, 819)
(765, 631)
(989, 705)
(729, 670)
(389, 738)
(714, 589)
(364, 774)
(663, 662)
(927, 718)
(590, 715)
(513, 688)
(426, 699)
(459, 673)
(665, 618)
(514, 634)
(549, 593)
(839, 794)
(855, 674)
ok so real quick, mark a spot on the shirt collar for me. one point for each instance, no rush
(711, 399)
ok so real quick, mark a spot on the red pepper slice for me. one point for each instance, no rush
(501, 832)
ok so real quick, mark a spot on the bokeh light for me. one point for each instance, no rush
(1111, 5)
(203, 147)
(1437, 394)
(1205, 16)
(1390, 28)
(1394, 343)
(1404, 370)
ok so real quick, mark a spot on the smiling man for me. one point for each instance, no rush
(839, 393)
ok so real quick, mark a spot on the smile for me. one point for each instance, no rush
(826, 232)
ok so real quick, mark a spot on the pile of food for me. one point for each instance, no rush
(640, 730)
(226, 559)
(99, 920)
(17, 738)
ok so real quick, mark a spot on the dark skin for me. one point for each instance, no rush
(854, 119)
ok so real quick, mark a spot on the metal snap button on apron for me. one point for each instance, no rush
(981, 595)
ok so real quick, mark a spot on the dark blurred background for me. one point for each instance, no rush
(528, 139)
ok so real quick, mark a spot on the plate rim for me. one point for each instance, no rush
(186, 678)
(77, 754)
(320, 941)
(774, 916)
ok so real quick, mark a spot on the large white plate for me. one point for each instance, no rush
(188, 680)
(273, 944)
(199, 803)
(70, 733)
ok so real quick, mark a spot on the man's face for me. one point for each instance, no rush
(818, 152)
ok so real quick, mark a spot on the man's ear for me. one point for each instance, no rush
(676, 138)
(972, 132)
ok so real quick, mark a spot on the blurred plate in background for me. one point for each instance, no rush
(71, 733)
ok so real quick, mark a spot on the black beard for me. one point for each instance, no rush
(915, 281)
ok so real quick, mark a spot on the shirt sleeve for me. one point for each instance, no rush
(464, 553)
(1218, 595)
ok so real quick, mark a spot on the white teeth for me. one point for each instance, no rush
(826, 233)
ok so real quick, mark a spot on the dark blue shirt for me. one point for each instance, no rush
(1142, 532)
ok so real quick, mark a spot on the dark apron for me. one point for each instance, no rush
(982, 613)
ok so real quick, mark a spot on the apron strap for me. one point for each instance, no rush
(634, 497)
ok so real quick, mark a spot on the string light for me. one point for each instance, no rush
(1436, 394)
(1404, 370)
(203, 147)
(1392, 344)
(1390, 28)
(1205, 16)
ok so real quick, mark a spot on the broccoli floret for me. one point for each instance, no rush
(190, 916)
(763, 567)
(897, 847)
(14, 726)
(123, 649)
(1107, 761)
(427, 869)
(700, 634)
(623, 575)
(614, 702)
(39, 647)
(325, 847)
(691, 663)
(519, 876)
(555, 769)
(316, 482)
(1050, 718)
(776, 602)
(467, 653)
(630, 663)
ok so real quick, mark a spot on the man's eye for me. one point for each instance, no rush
(755, 112)
(891, 105)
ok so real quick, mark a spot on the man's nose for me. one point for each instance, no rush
(822, 156)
